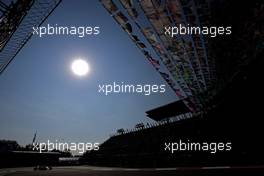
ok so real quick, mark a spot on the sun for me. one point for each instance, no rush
(80, 67)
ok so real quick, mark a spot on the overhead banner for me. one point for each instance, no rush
(184, 57)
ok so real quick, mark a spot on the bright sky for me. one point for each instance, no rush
(38, 91)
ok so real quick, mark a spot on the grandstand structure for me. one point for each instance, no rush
(189, 68)
(188, 63)
(217, 77)
(176, 110)
(17, 19)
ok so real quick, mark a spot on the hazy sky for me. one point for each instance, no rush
(39, 92)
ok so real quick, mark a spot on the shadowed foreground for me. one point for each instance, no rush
(101, 171)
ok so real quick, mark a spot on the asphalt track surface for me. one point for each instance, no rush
(106, 171)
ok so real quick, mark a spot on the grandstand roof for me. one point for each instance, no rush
(170, 110)
(16, 22)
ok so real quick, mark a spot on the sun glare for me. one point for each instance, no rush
(80, 67)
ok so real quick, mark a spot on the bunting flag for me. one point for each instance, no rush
(128, 28)
(129, 6)
(174, 8)
(149, 34)
(121, 19)
(160, 50)
(164, 75)
(109, 6)
(178, 93)
(154, 62)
